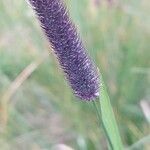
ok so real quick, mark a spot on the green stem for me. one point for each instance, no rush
(101, 123)
(107, 119)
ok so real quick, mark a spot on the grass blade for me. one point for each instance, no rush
(107, 119)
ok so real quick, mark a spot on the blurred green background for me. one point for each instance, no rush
(38, 109)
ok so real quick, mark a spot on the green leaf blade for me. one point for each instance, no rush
(107, 119)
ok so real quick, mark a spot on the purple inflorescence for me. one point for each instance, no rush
(68, 47)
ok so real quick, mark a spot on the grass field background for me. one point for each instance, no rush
(37, 107)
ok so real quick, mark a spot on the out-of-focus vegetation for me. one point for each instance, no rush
(38, 109)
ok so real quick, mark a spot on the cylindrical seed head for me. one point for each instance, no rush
(79, 69)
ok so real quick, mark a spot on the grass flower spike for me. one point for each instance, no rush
(78, 68)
